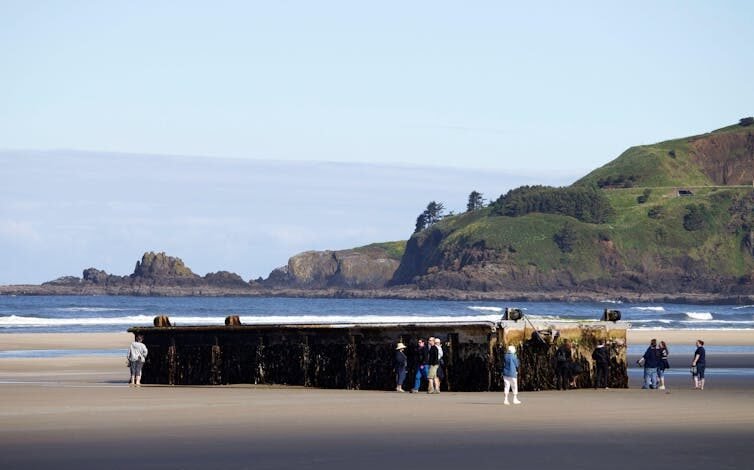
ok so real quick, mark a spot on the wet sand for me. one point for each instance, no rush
(78, 412)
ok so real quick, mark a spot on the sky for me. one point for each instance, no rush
(477, 89)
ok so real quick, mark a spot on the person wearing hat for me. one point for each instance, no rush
(510, 375)
(401, 362)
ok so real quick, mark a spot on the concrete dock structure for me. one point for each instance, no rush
(360, 355)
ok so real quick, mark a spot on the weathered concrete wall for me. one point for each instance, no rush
(344, 356)
(537, 342)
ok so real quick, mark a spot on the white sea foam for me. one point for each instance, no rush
(486, 309)
(652, 309)
(645, 320)
(721, 322)
(96, 309)
(609, 301)
(15, 321)
(699, 315)
(743, 306)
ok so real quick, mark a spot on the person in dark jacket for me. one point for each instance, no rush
(601, 357)
(651, 361)
(422, 366)
(434, 364)
(662, 350)
(563, 367)
(401, 362)
(699, 363)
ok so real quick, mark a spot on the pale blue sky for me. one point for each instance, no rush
(509, 85)
(399, 93)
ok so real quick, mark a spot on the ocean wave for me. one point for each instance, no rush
(720, 322)
(663, 321)
(609, 301)
(652, 309)
(15, 321)
(559, 318)
(699, 315)
(486, 309)
(96, 309)
(743, 306)
(660, 328)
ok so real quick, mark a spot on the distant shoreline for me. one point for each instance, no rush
(398, 293)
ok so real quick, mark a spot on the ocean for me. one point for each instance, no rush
(83, 314)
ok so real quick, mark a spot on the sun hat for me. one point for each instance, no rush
(400, 346)
(512, 349)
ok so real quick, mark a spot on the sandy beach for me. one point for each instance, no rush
(78, 412)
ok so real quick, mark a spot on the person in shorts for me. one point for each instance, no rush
(137, 355)
(434, 364)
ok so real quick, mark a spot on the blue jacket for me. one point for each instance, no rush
(652, 358)
(510, 365)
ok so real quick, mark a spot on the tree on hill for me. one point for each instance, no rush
(431, 215)
(476, 201)
(583, 203)
(566, 238)
(747, 121)
(644, 197)
(694, 218)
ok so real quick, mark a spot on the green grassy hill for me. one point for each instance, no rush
(656, 240)
(721, 157)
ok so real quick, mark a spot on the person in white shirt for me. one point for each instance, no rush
(438, 343)
(137, 355)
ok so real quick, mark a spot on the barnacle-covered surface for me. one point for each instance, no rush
(360, 356)
(536, 343)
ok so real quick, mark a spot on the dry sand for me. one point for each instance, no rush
(78, 412)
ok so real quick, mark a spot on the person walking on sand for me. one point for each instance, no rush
(651, 361)
(401, 362)
(563, 360)
(137, 355)
(662, 350)
(698, 364)
(601, 357)
(434, 364)
(510, 375)
(422, 358)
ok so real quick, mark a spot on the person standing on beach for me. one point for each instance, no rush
(137, 355)
(662, 349)
(563, 360)
(440, 362)
(401, 362)
(510, 375)
(700, 363)
(422, 358)
(651, 361)
(601, 357)
(434, 364)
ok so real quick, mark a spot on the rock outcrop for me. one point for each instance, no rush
(154, 272)
(368, 267)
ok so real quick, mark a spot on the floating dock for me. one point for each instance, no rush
(359, 356)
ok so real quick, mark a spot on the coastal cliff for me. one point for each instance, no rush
(369, 267)
(672, 221)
